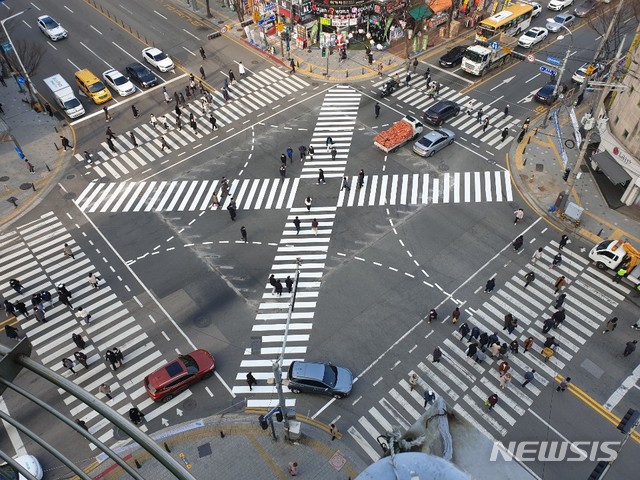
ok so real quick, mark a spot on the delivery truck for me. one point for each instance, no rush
(64, 96)
(616, 254)
(478, 59)
(408, 128)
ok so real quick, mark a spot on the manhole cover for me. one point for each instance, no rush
(70, 177)
(4, 179)
(539, 167)
(443, 167)
(584, 169)
(315, 84)
(69, 196)
(202, 322)
(26, 186)
(189, 404)
(254, 62)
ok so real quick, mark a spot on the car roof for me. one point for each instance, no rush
(152, 50)
(441, 105)
(548, 86)
(309, 370)
(167, 372)
(43, 17)
(137, 66)
(537, 29)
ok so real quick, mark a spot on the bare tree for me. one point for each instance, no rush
(237, 4)
(31, 54)
(599, 20)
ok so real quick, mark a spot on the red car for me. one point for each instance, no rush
(169, 380)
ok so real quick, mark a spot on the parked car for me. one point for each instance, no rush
(454, 56)
(581, 73)
(440, 112)
(156, 57)
(558, 5)
(142, 75)
(585, 8)
(545, 94)
(119, 82)
(169, 380)
(537, 8)
(323, 378)
(433, 142)
(28, 462)
(556, 23)
(533, 36)
(51, 28)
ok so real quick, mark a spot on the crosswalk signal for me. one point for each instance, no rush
(279, 415)
(565, 176)
(263, 422)
(324, 52)
(629, 422)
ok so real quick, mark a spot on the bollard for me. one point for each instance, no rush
(137, 463)
(166, 447)
(48, 169)
(56, 145)
(362, 71)
(297, 63)
(535, 132)
(310, 68)
(524, 150)
(221, 434)
(600, 232)
(525, 161)
(56, 129)
(347, 74)
(528, 140)
(33, 186)
(389, 62)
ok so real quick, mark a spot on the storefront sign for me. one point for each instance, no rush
(622, 156)
(335, 8)
(438, 19)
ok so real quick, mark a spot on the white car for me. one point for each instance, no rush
(158, 59)
(558, 5)
(581, 73)
(537, 8)
(556, 23)
(533, 36)
(119, 82)
(51, 28)
(30, 464)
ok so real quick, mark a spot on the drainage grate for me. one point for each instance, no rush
(539, 167)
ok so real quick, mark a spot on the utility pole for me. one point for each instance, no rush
(599, 105)
(555, 88)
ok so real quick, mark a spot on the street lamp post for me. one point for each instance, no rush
(33, 95)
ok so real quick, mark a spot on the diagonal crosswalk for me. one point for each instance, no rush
(32, 253)
(310, 248)
(257, 91)
(416, 96)
(465, 384)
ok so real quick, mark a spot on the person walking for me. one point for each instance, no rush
(135, 415)
(475, 334)
(202, 75)
(620, 274)
(345, 184)
(167, 97)
(528, 344)
(519, 215)
(506, 111)
(251, 381)
(503, 368)
(321, 180)
(232, 77)
(134, 110)
(528, 377)
(611, 325)
(292, 64)
(107, 115)
(133, 138)
(303, 152)
(83, 314)
(93, 280)
(283, 171)
(110, 133)
(243, 234)
(283, 159)
(9, 309)
(485, 124)
(407, 79)
(78, 340)
(413, 381)
(47, 107)
(437, 355)
(629, 348)
(563, 384)
(505, 380)
(67, 252)
(455, 315)
(513, 324)
(334, 153)
(30, 167)
(505, 133)
(232, 209)
(525, 125)
(528, 278)
(272, 282)
(111, 358)
(163, 144)
(105, 390)
(296, 223)
(563, 241)
(87, 157)
(433, 315)
(111, 146)
(518, 242)
(311, 151)
(307, 202)
(178, 123)
(557, 260)
(288, 283)
(68, 363)
(514, 346)
(39, 314)
(279, 287)
(12, 332)
(163, 122)
(290, 154)
(64, 295)
(491, 402)
(547, 325)
(558, 317)
(182, 99)
(22, 308)
(560, 300)
(314, 226)
(463, 330)
(537, 255)
(241, 70)
(361, 178)
(153, 121)
(16, 285)
(479, 115)
(213, 121)
(333, 430)
(472, 350)
(119, 356)
(328, 143)
(82, 359)
(560, 282)
(292, 467)
(202, 54)
(429, 397)
(376, 108)
(65, 142)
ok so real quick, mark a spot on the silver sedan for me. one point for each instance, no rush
(433, 142)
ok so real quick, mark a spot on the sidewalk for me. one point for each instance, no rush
(37, 134)
(536, 169)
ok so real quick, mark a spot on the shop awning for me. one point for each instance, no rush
(611, 168)
(440, 5)
(420, 12)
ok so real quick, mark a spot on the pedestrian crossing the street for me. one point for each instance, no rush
(465, 384)
(257, 91)
(466, 121)
(336, 120)
(423, 189)
(187, 195)
(32, 254)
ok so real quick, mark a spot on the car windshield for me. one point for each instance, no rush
(190, 363)
(426, 142)
(8, 472)
(119, 80)
(330, 375)
(50, 23)
(559, 19)
(473, 56)
(73, 103)
(530, 34)
(159, 56)
(96, 87)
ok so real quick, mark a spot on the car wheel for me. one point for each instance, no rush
(208, 375)
(295, 390)
(601, 266)
(450, 141)
(431, 153)
(337, 395)
(167, 398)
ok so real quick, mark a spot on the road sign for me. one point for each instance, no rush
(494, 45)
(548, 71)
(554, 61)
(531, 58)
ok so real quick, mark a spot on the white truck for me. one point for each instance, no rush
(64, 96)
(479, 59)
(614, 254)
(401, 132)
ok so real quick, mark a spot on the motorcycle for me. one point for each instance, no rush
(389, 87)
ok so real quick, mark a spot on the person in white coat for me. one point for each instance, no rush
(241, 70)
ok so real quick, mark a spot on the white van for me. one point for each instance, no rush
(64, 96)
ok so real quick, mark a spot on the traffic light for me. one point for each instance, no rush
(263, 422)
(324, 52)
(279, 415)
(629, 421)
(589, 70)
(565, 176)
